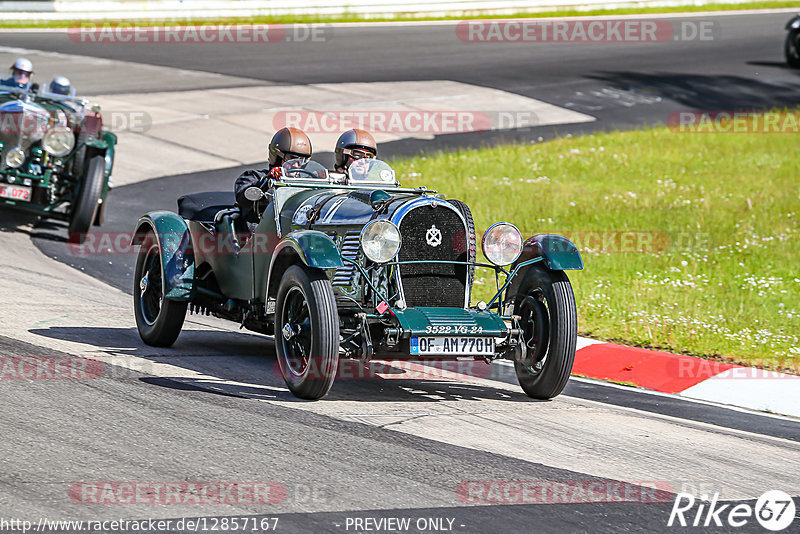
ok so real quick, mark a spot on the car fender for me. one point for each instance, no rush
(177, 256)
(110, 140)
(794, 24)
(557, 252)
(312, 248)
(103, 146)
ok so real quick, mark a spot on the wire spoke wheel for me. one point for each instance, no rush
(535, 329)
(546, 306)
(150, 286)
(158, 319)
(297, 327)
(307, 332)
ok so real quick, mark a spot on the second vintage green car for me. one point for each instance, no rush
(55, 157)
(358, 267)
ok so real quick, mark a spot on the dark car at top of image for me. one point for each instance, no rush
(55, 157)
(791, 46)
(355, 266)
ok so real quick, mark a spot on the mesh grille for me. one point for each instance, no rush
(351, 246)
(433, 284)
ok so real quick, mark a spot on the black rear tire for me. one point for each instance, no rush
(550, 330)
(158, 319)
(792, 49)
(86, 204)
(307, 332)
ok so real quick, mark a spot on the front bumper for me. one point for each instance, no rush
(413, 325)
(450, 321)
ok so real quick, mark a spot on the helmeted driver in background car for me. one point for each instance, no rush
(60, 86)
(352, 145)
(21, 72)
(287, 143)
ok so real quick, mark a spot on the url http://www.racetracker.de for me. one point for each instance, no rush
(197, 524)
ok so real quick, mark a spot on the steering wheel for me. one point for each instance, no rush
(312, 174)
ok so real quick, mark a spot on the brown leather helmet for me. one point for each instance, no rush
(288, 143)
(354, 144)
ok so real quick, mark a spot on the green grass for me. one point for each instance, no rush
(718, 271)
(355, 17)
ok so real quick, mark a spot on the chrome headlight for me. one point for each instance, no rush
(380, 240)
(15, 158)
(58, 141)
(502, 243)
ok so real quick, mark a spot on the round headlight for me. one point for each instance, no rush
(15, 158)
(502, 243)
(380, 240)
(58, 141)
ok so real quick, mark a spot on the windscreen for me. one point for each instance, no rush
(370, 171)
(304, 169)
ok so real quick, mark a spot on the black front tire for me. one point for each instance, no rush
(158, 319)
(86, 204)
(550, 330)
(792, 49)
(307, 332)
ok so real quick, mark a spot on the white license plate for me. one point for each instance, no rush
(473, 346)
(15, 192)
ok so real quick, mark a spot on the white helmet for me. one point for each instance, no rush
(60, 86)
(23, 64)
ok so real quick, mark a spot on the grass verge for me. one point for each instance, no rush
(355, 17)
(691, 241)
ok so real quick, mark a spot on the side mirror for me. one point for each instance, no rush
(35, 88)
(254, 194)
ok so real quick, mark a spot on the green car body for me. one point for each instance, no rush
(383, 310)
(71, 184)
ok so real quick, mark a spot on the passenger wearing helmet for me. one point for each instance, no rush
(286, 144)
(60, 86)
(352, 145)
(21, 72)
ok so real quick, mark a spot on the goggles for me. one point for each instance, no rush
(357, 153)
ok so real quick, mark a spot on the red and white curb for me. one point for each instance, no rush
(690, 377)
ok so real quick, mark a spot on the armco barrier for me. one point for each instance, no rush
(175, 9)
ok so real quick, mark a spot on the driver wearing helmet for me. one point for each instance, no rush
(287, 143)
(21, 72)
(60, 86)
(353, 145)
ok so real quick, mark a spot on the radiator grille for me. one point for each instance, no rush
(442, 285)
(351, 245)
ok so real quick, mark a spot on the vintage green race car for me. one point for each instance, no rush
(55, 157)
(358, 267)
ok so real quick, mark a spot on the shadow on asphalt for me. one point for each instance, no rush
(244, 365)
(708, 92)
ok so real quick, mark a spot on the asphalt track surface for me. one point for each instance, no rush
(129, 425)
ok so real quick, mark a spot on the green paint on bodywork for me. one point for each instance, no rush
(464, 322)
(559, 252)
(110, 140)
(177, 259)
(97, 143)
(314, 248)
